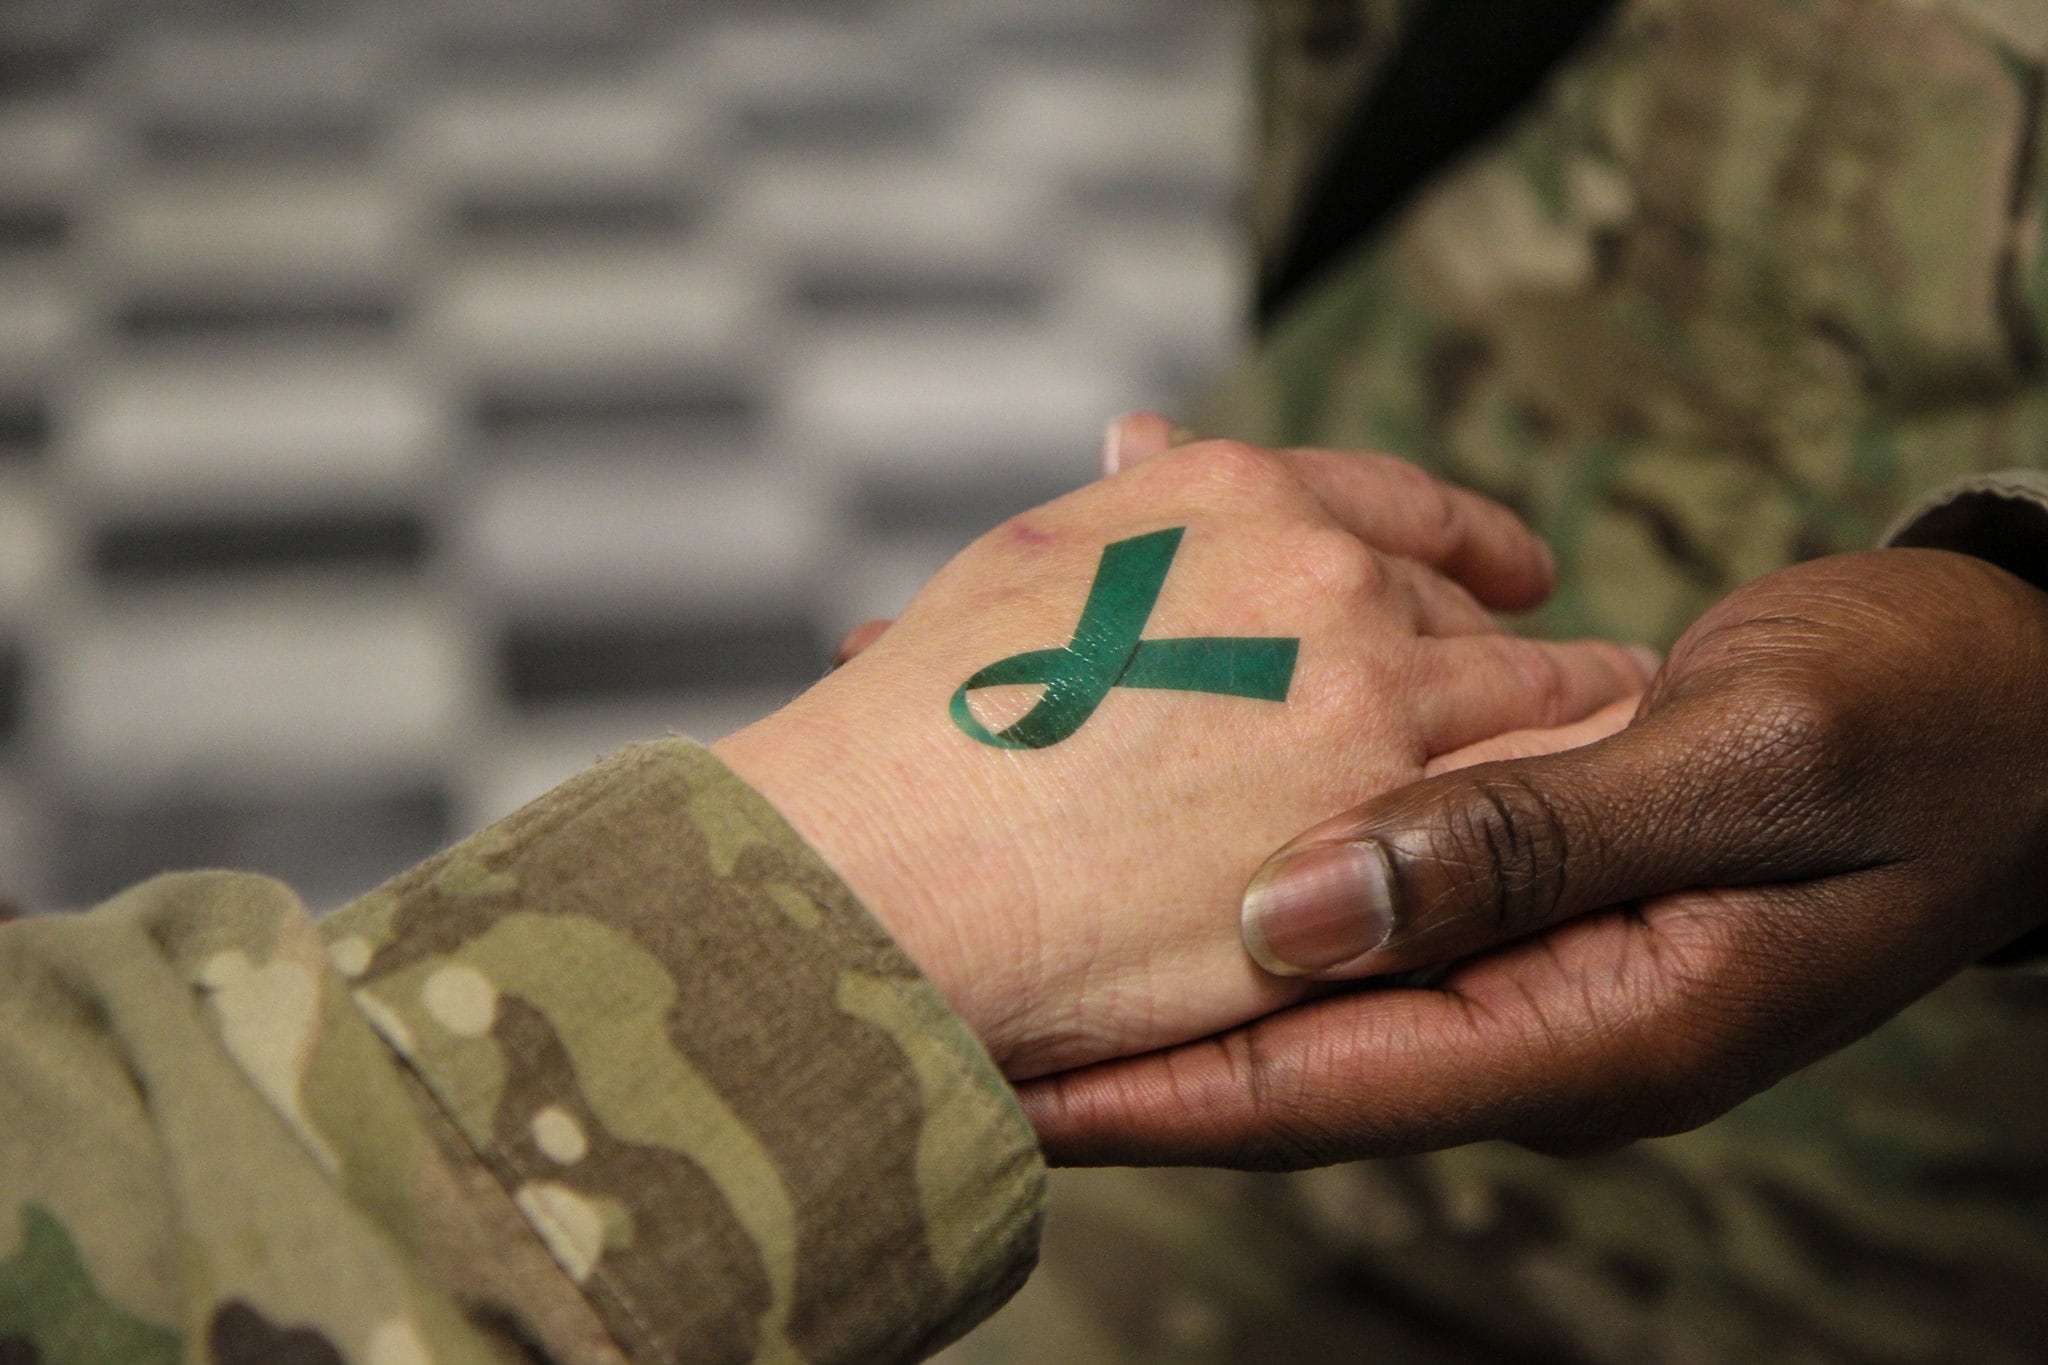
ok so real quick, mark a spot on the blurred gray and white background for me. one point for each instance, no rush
(402, 404)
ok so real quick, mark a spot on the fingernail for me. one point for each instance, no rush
(1312, 910)
(1549, 559)
(1649, 660)
(1113, 446)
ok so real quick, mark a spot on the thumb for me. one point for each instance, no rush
(1478, 857)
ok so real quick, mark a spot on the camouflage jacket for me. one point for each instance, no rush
(1744, 280)
(627, 1076)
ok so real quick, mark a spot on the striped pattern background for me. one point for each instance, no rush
(402, 404)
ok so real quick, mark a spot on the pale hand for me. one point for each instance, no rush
(1079, 901)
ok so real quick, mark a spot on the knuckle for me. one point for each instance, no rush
(1512, 845)
(1328, 563)
(1425, 501)
(1541, 677)
(1805, 741)
(1793, 721)
(1404, 478)
(1229, 472)
(1280, 1135)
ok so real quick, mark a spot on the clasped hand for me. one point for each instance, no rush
(1834, 797)
(1634, 912)
(1078, 900)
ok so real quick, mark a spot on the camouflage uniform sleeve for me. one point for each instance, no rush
(2001, 517)
(629, 1076)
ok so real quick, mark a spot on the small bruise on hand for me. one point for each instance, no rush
(1023, 532)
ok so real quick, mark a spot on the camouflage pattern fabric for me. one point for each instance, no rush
(1315, 59)
(1750, 278)
(627, 1076)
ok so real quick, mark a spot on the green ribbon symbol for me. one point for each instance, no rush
(1107, 651)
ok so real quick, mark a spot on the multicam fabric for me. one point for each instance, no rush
(628, 1076)
(1749, 278)
(1315, 59)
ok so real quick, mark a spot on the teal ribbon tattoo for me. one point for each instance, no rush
(1107, 651)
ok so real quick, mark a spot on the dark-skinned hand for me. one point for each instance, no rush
(1832, 799)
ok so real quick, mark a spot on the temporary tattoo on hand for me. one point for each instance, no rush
(1107, 652)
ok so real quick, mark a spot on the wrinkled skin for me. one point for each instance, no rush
(1833, 798)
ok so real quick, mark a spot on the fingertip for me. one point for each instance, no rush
(1135, 438)
(1504, 563)
(1112, 447)
(1536, 580)
(1546, 561)
(858, 639)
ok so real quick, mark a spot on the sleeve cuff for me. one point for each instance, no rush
(732, 1109)
(1999, 518)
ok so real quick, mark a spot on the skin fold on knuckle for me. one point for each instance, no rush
(1540, 677)
(1210, 1102)
(1789, 765)
(1812, 770)
(1490, 867)
(1083, 1119)
(1277, 1129)
(1425, 506)
(1333, 568)
(1274, 1096)
(1226, 475)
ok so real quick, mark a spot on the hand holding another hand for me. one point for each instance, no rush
(1078, 901)
(1835, 796)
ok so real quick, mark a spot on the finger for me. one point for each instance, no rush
(1613, 1029)
(1285, 1092)
(1399, 509)
(1711, 790)
(1134, 438)
(858, 639)
(1608, 720)
(1442, 608)
(1481, 685)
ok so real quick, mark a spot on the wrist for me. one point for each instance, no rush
(922, 851)
(1999, 529)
